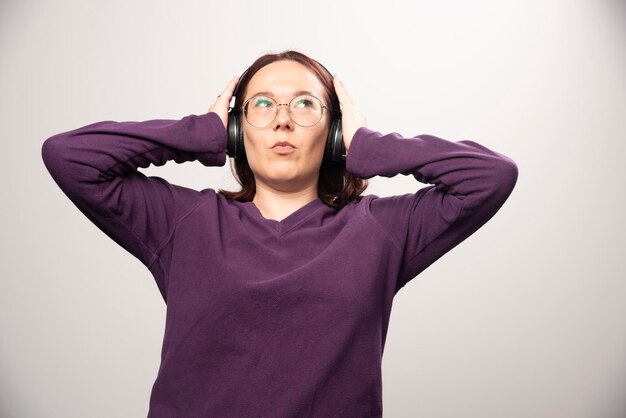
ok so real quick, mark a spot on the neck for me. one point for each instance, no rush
(277, 205)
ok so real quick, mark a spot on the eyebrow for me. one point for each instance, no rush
(296, 93)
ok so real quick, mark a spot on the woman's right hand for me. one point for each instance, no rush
(223, 101)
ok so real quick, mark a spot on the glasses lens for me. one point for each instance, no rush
(260, 111)
(306, 110)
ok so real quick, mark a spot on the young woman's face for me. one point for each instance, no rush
(295, 168)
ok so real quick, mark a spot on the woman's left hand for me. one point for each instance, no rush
(351, 116)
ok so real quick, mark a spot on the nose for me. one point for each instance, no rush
(283, 117)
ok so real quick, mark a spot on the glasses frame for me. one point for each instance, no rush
(288, 108)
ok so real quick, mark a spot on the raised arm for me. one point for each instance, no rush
(469, 185)
(96, 167)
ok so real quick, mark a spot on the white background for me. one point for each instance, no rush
(526, 318)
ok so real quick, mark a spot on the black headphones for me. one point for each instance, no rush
(335, 148)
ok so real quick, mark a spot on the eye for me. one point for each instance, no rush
(304, 101)
(262, 102)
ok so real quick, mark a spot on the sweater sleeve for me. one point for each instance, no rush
(96, 167)
(469, 184)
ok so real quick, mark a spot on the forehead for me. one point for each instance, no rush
(283, 79)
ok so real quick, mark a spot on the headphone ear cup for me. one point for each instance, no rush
(235, 136)
(335, 148)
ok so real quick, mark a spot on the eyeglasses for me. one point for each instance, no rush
(305, 110)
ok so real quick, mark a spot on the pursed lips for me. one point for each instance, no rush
(283, 143)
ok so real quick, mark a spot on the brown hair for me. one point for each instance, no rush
(336, 186)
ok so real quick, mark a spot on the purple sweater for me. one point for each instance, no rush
(271, 318)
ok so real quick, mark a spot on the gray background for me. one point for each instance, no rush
(526, 318)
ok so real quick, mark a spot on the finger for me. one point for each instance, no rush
(347, 98)
(233, 83)
(341, 94)
(230, 88)
(347, 93)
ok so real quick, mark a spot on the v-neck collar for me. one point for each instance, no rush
(288, 222)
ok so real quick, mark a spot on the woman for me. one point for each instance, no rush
(278, 296)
